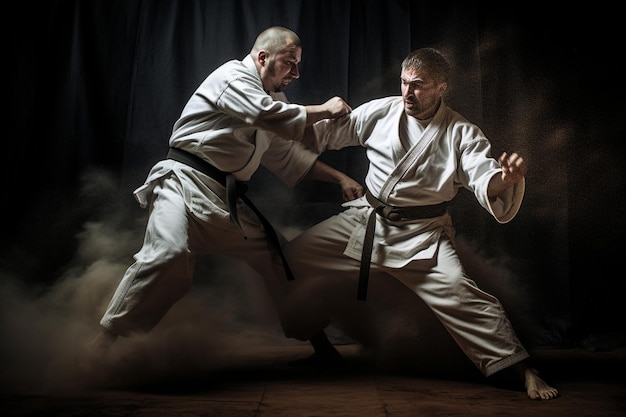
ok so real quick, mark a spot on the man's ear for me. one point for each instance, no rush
(262, 57)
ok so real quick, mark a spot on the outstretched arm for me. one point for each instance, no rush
(323, 172)
(334, 107)
(513, 170)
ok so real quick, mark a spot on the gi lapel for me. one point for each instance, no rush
(413, 155)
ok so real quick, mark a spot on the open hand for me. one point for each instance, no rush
(514, 168)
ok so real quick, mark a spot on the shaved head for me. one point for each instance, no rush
(275, 39)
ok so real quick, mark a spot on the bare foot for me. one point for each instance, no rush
(536, 388)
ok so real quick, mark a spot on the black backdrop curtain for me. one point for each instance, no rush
(95, 86)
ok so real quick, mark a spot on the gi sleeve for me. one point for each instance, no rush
(242, 98)
(290, 161)
(476, 169)
(332, 134)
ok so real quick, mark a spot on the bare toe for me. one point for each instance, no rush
(537, 388)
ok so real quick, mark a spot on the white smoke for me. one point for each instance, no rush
(46, 331)
(227, 316)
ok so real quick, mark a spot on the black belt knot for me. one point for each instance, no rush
(392, 213)
(234, 189)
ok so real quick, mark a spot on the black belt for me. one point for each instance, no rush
(234, 189)
(392, 213)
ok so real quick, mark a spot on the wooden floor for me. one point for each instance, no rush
(592, 384)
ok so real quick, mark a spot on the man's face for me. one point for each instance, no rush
(421, 93)
(279, 70)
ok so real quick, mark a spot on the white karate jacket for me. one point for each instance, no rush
(450, 153)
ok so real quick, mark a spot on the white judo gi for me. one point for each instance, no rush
(413, 164)
(234, 124)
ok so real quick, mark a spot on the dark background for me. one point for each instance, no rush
(95, 87)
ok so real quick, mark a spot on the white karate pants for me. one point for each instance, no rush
(475, 320)
(163, 269)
